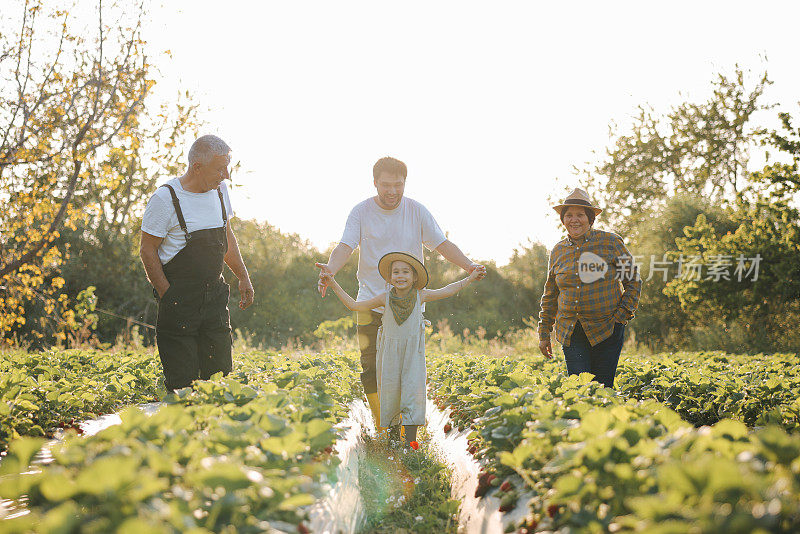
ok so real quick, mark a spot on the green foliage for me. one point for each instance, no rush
(405, 490)
(287, 304)
(335, 333)
(497, 304)
(707, 387)
(41, 393)
(244, 453)
(767, 225)
(593, 461)
(678, 185)
(660, 322)
(82, 142)
(696, 147)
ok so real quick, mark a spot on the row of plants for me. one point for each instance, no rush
(705, 387)
(586, 458)
(405, 489)
(243, 453)
(42, 392)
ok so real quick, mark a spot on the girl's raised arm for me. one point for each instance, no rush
(347, 300)
(428, 295)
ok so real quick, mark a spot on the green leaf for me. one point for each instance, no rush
(296, 501)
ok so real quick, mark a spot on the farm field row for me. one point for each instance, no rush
(245, 453)
(589, 459)
(42, 392)
(704, 387)
(248, 451)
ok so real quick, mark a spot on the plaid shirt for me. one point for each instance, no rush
(597, 301)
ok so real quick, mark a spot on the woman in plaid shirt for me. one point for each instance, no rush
(592, 291)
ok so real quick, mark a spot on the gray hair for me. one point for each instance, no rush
(206, 147)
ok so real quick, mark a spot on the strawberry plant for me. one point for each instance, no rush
(240, 453)
(706, 387)
(593, 460)
(44, 391)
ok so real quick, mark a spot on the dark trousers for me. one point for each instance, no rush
(600, 360)
(367, 324)
(193, 332)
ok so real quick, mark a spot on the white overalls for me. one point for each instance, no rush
(400, 366)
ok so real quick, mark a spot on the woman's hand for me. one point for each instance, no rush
(546, 347)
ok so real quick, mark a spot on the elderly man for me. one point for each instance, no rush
(185, 239)
(387, 222)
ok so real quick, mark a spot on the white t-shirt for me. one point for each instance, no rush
(200, 211)
(378, 231)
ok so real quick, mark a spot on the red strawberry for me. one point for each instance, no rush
(552, 510)
(447, 428)
(302, 529)
(328, 450)
(481, 491)
(505, 486)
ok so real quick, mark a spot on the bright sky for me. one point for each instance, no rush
(489, 104)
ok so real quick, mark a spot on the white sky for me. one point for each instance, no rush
(489, 104)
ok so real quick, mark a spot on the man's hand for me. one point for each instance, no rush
(246, 293)
(324, 274)
(326, 278)
(477, 267)
(546, 347)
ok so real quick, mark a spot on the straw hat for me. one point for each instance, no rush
(385, 267)
(580, 198)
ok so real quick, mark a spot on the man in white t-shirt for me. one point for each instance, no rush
(186, 239)
(387, 222)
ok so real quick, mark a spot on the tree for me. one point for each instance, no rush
(660, 320)
(74, 149)
(698, 148)
(764, 303)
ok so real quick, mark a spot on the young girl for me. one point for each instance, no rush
(401, 340)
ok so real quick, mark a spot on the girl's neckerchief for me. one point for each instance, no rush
(402, 306)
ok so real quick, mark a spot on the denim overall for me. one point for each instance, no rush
(193, 330)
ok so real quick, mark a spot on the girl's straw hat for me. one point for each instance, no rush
(385, 267)
(580, 198)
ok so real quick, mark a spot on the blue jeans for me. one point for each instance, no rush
(600, 360)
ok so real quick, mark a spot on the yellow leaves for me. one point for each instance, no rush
(57, 282)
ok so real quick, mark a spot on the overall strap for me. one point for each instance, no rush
(178, 211)
(224, 211)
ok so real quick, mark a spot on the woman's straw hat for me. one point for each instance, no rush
(385, 267)
(580, 198)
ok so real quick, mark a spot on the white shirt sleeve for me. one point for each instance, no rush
(226, 198)
(352, 229)
(157, 215)
(432, 234)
